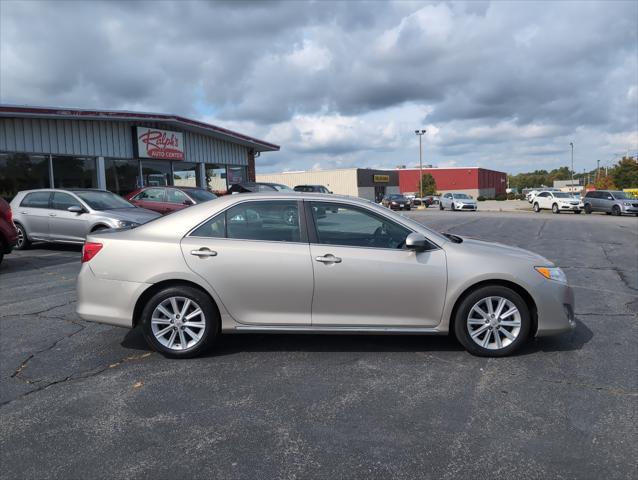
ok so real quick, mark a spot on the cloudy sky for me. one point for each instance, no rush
(499, 84)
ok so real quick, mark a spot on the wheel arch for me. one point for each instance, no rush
(98, 226)
(529, 301)
(156, 287)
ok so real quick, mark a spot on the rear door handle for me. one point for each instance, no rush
(329, 258)
(53, 214)
(204, 252)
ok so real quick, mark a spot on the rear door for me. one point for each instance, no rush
(153, 198)
(34, 214)
(256, 256)
(65, 225)
(364, 276)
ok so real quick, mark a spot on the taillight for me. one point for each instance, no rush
(90, 250)
(9, 215)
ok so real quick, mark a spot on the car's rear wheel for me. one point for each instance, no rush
(537, 207)
(180, 321)
(588, 209)
(23, 242)
(616, 210)
(555, 208)
(441, 206)
(492, 321)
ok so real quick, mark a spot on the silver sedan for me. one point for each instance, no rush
(315, 263)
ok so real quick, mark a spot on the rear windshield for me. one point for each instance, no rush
(201, 195)
(103, 200)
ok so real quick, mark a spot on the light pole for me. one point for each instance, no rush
(420, 134)
(572, 170)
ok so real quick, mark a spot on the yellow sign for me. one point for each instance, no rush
(381, 178)
(632, 192)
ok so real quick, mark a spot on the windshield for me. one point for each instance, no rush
(397, 197)
(562, 195)
(461, 195)
(103, 200)
(620, 195)
(201, 195)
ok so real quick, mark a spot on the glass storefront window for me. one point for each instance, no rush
(236, 175)
(122, 176)
(20, 171)
(216, 179)
(74, 172)
(185, 174)
(156, 173)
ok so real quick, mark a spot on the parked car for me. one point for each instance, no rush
(216, 277)
(8, 232)
(311, 189)
(610, 202)
(457, 201)
(280, 187)
(248, 187)
(169, 199)
(416, 202)
(396, 202)
(67, 216)
(529, 196)
(556, 201)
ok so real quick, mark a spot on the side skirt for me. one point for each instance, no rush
(334, 330)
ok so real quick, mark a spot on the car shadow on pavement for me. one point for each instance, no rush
(253, 342)
(41, 256)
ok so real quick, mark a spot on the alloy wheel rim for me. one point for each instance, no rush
(178, 323)
(20, 237)
(494, 322)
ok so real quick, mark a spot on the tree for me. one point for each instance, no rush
(429, 185)
(605, 182)
(625, 174)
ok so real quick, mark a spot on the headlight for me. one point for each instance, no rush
(626, 204)
(126, 224)
(394, 203)
(552, 273)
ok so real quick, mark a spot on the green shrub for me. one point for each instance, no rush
(500, 197)
(480, 198)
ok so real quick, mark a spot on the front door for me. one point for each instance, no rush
(65, 225)
(153, 198)
(256, 257)
(364, 276)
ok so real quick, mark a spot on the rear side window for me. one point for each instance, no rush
(36, 200)
(151, 195)
(62, 201)
(274, 221)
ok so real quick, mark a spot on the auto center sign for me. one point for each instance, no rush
(160, 144)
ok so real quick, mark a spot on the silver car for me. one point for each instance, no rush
(457, 201)
(68, 216)
(611, 202)
(272, 263)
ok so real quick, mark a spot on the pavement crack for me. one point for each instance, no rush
(621, 274)
(541, 229)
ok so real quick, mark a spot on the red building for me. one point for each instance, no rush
(474, 181)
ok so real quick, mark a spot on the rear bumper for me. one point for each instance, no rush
(107, 301)
(9, 237)
(556, 309)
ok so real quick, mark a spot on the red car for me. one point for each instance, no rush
(8, 232)
(168, 199)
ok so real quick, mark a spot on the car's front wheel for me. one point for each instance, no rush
(492, 321)
(588, 209)
(616, 210)
(555, 209)
(537, 207)
(180, 321)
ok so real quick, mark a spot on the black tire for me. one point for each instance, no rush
(537, 207)
(588, 209)
(211, 316)
(462, 312)
(441, 206)
(607, 213)
(555, 209)
(615, 210)
(577, 212)
(453, 208)
(23, 239)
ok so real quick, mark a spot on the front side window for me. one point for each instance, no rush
(270, 221)
(150, 195)
(36, 200)
(62, 201)
(350, 226)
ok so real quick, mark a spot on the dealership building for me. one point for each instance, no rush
(375, 184)
(119, 151)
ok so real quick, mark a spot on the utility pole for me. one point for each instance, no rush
(572, 170)
(420, 134)
(597, 169)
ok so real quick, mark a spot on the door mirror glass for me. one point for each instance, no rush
(188, 201)
(416, 241)
(75, 209)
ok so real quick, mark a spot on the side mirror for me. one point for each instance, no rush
(609, 197)
(188, 201)
(75, 209)
(416, 242)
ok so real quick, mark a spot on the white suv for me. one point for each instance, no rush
(556, 202)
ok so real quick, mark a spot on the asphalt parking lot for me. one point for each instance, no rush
(81, 400)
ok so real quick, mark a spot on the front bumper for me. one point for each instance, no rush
(398, 207)
(555, 307)
(571, 208)
(629, 209)
(107, 301)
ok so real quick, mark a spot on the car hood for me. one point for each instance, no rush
(488, 248)
(137, 215)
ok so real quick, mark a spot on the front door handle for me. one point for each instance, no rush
(53, 214)
(204, 252)
(330, 258)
